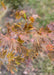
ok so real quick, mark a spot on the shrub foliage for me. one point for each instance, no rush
(14, 3)
(12, 50)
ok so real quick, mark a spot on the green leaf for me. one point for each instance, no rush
(25, 15)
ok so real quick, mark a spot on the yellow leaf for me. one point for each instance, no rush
(19, 39)
(3, 53)
(17, 26)
(3, 5)
(17, 15)
(17, 63)
(28, 27)
(19, 59)
(10, 56)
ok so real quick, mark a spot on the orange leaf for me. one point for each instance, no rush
(50, 47)
(31, 19)
(3, 5)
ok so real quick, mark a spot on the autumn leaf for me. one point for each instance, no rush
(3, 53)
(28, 27)
(47, 29)
(50, 47)
(10, 56)
(17, 26)
(17, 15)
(31, 19)
(3, 5)
(25, 26)
(20, 40)
(18, 60)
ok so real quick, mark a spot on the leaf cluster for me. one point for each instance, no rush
(12, 50)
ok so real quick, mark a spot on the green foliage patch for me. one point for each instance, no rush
(45, 9)
(14, 3)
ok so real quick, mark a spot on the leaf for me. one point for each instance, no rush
(28, 27)
(3, 5)
(31, 19)
(18, 60)
(50, 47)
(47, 29)
(25, 26)
(17, 15)
(24, 15)
(17, 63)
(10, 56)
(17, 26)
(3, 53)
(20, 41)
